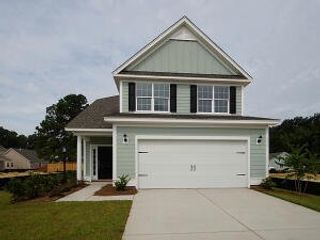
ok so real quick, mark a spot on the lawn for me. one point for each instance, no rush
(306, 200)
(63, 220)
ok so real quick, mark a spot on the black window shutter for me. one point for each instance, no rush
(173, 97)
(193, 98)
(132, 97)
(232, 106)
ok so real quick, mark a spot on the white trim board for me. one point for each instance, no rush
(88, 129)
(183, 22)
(162, 137)
(192, 121)
(233, 81)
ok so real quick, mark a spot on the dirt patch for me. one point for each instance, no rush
(309, 177)
(110, 190)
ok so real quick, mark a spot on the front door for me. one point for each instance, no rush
(105, 162)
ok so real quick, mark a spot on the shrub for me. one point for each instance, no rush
(16, 187)
(273, 170)
(122, 182)
(267, 183)
(38, 185)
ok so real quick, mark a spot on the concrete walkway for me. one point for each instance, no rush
(87, 194)
(187, 214)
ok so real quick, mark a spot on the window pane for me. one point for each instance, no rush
(205, 92)
(221, 106)
(161, 90)
(161, 104)
(144, 89)
(144, 104)
(205, 105)
(221, 92)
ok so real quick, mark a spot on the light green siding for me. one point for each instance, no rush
(183, 57)
(126, 152)
(239, 100)
(183, 98)
(125, 96)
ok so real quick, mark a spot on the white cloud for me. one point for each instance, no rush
(52, 48)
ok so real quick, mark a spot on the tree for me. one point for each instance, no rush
(51, 136)
(11, 139)
(296, 132)
(303, 164)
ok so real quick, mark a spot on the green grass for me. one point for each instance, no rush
(306, 200)
(63, 220)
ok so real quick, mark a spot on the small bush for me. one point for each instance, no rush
(122, 182)
(267, 183)
(273, 170)
(39, 185)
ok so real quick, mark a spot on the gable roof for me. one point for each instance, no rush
(92, 116)
(31, 155)
(183, 22)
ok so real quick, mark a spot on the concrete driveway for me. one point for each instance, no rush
(218, 214)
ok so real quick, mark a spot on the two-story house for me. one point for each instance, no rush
(178, 120)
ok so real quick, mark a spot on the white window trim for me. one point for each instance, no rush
(152, 99)
(213, 99)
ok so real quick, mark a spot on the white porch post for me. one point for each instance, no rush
(79, 156)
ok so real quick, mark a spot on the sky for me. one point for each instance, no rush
(49, 49)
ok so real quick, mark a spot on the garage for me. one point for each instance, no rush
(189, 163)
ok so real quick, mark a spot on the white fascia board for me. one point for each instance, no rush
(192, 121)
(88, 129)
(234, 81)
(193, 27)
(148, 46)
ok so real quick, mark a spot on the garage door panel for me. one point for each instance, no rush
(170, 163)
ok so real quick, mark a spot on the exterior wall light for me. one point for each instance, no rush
(125, 139)
(259, 140)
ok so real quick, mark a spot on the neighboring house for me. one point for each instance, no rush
(14, 158)
(276, 157)
(178, 120)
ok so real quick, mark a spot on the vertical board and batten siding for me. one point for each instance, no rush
(126, 152)
(183, 98)
(176, 56)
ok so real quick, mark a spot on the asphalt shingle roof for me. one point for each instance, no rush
(93, 115)
(29, 154)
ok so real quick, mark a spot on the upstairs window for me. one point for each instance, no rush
(213, 99)
(144, 96)
(221, 99)
(152, 97)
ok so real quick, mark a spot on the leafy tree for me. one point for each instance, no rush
(51, 136)
(296, 132)
(12, 139)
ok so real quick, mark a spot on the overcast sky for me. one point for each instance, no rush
(49, 49)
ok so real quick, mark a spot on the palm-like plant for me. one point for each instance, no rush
(301, 162)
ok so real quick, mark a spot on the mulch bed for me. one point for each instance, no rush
(110, 190)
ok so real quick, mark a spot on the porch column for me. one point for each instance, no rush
(79, 141)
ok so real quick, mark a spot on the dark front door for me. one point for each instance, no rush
(104, 162)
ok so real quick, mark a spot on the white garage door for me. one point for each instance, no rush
(192, 163)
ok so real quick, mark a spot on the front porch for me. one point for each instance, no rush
(95, 157)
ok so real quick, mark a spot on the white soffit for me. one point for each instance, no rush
(183, 34)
